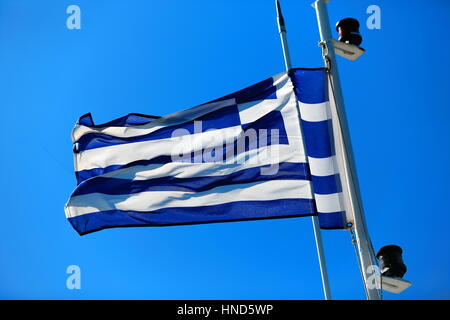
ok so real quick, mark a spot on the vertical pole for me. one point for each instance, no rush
(321, 256)
(282, 31)
(365, 254)
(315, 220)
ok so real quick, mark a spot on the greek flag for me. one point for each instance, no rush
(266, 151)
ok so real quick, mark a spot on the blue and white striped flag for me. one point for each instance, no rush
(266, 151)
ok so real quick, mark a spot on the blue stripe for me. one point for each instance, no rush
(260, 91)
(310, 85)
(332, 220)
(286, 171)
(129, 120)
(232, 211)
(270, 121)
(223, 118)
(318, 138)
(327, 184)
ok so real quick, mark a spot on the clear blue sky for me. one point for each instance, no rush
(158, 57)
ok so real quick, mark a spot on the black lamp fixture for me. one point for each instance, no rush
(349, 39)
(391, 261)
(348, 30)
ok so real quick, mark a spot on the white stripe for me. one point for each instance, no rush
(254, 110)
(125, 153)
(166, 121)
(189, 170)
(280, 79)
(328, 202)
(315, 112)
(322, 166)
(251, 111)
(154, 200)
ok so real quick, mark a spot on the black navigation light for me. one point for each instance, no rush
(348, 30)
(391, 261)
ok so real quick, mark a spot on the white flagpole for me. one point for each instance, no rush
(365, 254)
(315, 220)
